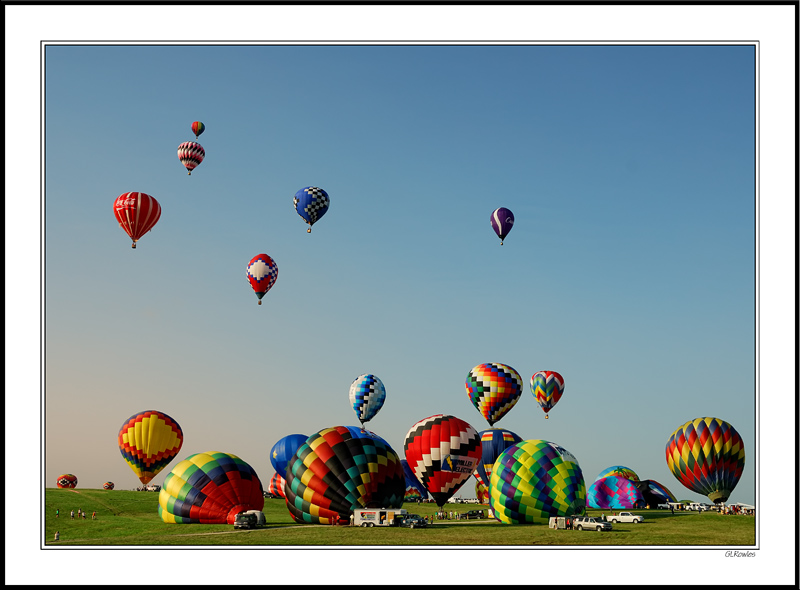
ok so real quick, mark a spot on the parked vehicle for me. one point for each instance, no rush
(413, 521)
(698, 506)
(472, 514)
(626, 517)
(249, 520)
(370, 517)
(589, 522)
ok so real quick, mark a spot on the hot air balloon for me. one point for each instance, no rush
(136, 213)
(619, 471)
(148, 441)
(262, 272)
(654, 493)
(367, 395)
(283, 450)
(109, 485)
(547, 387)
(66, 481)
(340, 469)
(191, 153)
(276, 485)
(311, 203)
(442, 451)
(414, 489)
(209, 488)
(502, 220)
(198, 128)
(614, 492)
(707, 456)
(493, 388)
(493, 442)
(481, 492)
(534, 480)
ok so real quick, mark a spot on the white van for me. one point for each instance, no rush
(698, 506)
(378, 516)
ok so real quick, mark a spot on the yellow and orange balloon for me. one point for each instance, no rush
(148, 441)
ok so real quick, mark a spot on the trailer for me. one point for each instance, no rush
(370, 517)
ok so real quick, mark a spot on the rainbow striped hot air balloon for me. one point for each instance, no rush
(198, 128)
(547, 387)
(707, 456)
(493, 388)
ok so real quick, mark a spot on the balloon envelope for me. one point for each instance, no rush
(654, 493)
(367, 395)
(340, 469)
(502, 220)
(109, 485)
(66, 481)
(262, 272)
(191, 153)
(493, 388)
(414, 489)
(481, 492)
(493, 442)
(534, 480)
(198, 128)
(311, 203)
(283, 450)
(136, 213)
(547, 387)
(614, 492)
(148, 441)
(619, 471)
(209, 488)
(442, 451)
(707, 456)
(276, 486)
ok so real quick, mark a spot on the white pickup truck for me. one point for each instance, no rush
(625, 517)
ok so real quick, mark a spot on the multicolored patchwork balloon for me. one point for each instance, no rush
(340, 469)
(311, 203)
(109, 485)
(414, 489)
(654, 493)
(493, 388)
(493, 442)
(547, 387)
(262, 272)
(614, 492)
(367, 395)
(198, 128)
(481, 492)
(707, 456)
(534, 480)
(209, 488)
(502, 220)
(276, 485)
(619, 471)
(442, 451)
(191, 153)
(136, 214)
(148, 441)
(283, 450)
(66, 481)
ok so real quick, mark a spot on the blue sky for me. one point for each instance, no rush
(630, 268)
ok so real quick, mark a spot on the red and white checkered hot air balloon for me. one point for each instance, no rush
(262, 272)
(136, 213)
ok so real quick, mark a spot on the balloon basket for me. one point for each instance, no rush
(546, 417)
(308, 230)
(133, 245)
(189, 173)
(259, 301)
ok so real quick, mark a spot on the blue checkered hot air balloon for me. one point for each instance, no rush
(311, 203)
(367, 395)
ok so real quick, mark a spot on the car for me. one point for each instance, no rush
(413, 521)
(244, 521)
(588, 522)
(626, 517)
(472, 514)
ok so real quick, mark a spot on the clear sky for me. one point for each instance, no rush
(631, 267)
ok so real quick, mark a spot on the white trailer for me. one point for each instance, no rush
(378, 516)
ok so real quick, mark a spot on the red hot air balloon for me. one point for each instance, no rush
(262, 272)
(443, 452)
(136, 213)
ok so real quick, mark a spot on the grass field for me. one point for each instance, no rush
(129, 518)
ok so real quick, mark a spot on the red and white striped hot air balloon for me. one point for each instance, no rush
(136, 213)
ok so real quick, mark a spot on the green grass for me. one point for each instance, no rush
(128, 518)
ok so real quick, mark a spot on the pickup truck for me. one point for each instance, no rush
(625, 517)
(590, 523)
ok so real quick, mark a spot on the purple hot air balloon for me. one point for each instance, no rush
(502, 221)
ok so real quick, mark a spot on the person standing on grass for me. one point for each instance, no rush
(94, 514)
(57, 536)
(56, 512)
(72, 514)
